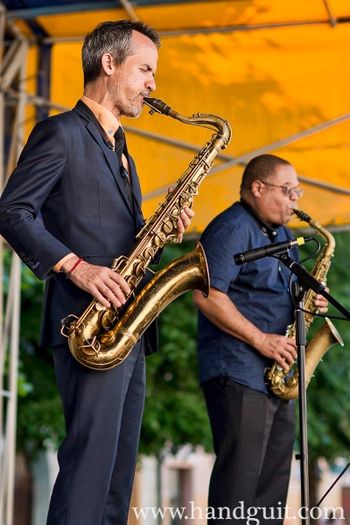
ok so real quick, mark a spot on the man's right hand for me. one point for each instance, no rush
(105, 285)
(279, 348)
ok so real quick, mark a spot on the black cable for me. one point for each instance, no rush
(315, 252)
(325, 316)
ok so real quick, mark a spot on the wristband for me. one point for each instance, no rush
(75, 265)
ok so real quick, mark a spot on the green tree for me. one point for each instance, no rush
(175, 413)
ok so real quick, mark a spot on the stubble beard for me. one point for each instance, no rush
(128, 108)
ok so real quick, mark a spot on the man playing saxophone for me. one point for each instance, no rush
(240, 334)
(72, 205)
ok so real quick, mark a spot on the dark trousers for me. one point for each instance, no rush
(103, 412)
(253, 437)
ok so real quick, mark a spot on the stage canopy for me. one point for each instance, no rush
(277, 71)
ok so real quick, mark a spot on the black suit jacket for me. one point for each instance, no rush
(67, 195)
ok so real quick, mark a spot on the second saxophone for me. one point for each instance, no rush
(285, 384)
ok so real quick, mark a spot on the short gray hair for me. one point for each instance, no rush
(114, 38)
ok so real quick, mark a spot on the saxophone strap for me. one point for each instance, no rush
(120, 149)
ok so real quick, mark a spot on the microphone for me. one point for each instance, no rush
(270, 249)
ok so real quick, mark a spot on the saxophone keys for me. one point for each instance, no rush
(186, 203)
(91, 347)
(108, 339)
(139, 272)
(173, 239)
(159, 239)
(107, 318)
(168, 226)
(119, 263)
(69, 325)
(99, 307)
(175, 212)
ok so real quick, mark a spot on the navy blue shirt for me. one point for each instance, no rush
(259, 290)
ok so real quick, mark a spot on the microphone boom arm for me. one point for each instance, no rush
(309, 281)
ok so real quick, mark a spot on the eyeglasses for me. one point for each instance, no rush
(286, 190)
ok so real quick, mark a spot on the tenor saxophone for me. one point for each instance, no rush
(101, 337)
(285, 384)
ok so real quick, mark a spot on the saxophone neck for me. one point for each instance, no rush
(327, 236)
(212, 122)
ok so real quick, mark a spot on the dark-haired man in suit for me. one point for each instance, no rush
(71, 206)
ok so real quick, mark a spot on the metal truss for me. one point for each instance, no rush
(12, 73)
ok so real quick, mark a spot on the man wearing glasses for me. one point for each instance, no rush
(240, 334)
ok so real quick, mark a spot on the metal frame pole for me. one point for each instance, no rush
(13, 70)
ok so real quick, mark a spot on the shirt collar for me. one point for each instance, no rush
(108, 122)
(270, 231)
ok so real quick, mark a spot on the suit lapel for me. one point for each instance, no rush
(109, 154)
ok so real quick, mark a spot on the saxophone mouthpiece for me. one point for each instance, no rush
(302, 215)
(157, 106)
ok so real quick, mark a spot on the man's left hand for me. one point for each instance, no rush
(321, 303)
(184, 222)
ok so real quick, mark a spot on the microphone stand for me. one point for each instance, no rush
(303, 456)
(305, 280)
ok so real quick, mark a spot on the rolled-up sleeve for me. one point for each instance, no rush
(221, 242)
